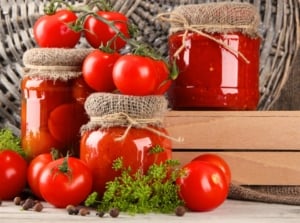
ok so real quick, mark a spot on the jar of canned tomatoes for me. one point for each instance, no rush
(126, 127)
(52, 104)
(216, 47)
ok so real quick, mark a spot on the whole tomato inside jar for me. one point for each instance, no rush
(51, 115)
(216, 47)
(127, 127)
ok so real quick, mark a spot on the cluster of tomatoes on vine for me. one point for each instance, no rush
(140, 71)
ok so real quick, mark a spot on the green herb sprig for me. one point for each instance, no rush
(154, 191)
(8, 141)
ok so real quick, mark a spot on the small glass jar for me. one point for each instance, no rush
(218, 67)
(52, 109)
(99, 149)
(116, 132)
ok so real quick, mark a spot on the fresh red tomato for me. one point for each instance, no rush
(34, 171)
(218, 161)
(97, 70)
(53, 31)
(135, 75)
(164, 81)
(12, 175)
(65, 181)
(203, 186)
(98, 33)
(65, 121)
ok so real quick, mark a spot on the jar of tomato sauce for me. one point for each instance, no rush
(216, 48)
(52, 103)
(127, 127)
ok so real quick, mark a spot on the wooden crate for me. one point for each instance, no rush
(261, 147)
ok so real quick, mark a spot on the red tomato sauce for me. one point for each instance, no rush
(50, 116)
(212, 77)
(98, 149)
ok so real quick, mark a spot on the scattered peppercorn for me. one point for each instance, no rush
(114, 212)
(72, 210)
(84, 211)
(22, 202)
(100, 213)
(180, 211)
(17, 200)
(38, 207)
(29, 203)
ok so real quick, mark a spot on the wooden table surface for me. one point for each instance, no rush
(229, 212)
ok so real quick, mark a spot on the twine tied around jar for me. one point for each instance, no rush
(209, 18)
(125, 120)
(115, 110)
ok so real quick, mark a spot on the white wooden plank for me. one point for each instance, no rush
(230, 212)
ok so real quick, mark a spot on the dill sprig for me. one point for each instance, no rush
(154, 191)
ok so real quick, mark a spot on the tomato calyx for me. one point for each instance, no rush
(55, 154)
(64, 167)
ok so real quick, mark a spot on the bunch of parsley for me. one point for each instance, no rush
(8, 141)
(154, 191)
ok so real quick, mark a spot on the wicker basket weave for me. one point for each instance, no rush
(279, 30)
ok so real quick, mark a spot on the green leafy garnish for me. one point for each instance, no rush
(8, 141)
(154, 191)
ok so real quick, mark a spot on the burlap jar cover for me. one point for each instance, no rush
(54, 63)
(210, 18)
(227, 17)
(108, 110)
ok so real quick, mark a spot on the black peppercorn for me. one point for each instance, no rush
(114, 212)
(180, 211)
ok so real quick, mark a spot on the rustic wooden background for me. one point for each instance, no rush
(290, 94)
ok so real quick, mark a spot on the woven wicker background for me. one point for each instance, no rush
(279, 30)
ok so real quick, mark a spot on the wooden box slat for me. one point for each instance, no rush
(246, 130)
(257, 168)
(261, 147)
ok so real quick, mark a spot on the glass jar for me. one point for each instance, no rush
(216, 49)
(99, 149)
(127, 127)
(52, 109)
(211, 77)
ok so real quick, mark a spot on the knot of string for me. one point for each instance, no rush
(183, 25)
(123, 119)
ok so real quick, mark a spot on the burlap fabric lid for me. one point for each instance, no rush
(54, 63)
(219, 17)
(106, 110)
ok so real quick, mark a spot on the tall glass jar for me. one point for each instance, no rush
(216, 48)
(127, 127)
(52, 92)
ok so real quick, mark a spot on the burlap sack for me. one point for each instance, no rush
(268, 194)
(54, 63)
